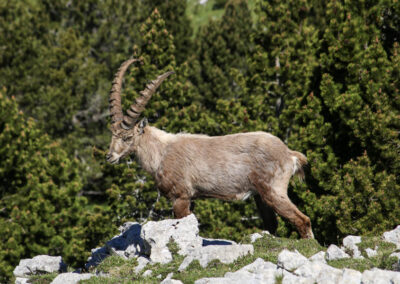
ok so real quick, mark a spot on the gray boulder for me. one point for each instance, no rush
(71, 278)
(320, 272)
(20, 280)
(371, 252)
(254, 237)
(393, 236)
(142, 263)
(319, 257)
(379, 276)
(291, 260)
(39, 264)
(258, 272)
(350, 243)
(334, 252)
(156, 236)
(127, 244)
(147, 273)
(350, 276)
(225, 253)
(294, 279)
(169, 280)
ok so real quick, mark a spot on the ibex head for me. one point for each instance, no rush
(127, 128)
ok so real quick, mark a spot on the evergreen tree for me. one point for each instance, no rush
(340, 92)
(222, 47)
(173, 12)
(40, 210)
(49, 72)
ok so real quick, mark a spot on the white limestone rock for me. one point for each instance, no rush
(127, 244)
(334, 252)
(254, 237)
(371, 252)
(320, 272)
(142, 262)
(396, 254)
(39, 264)
(225, 254)
(20, 280)
(258, 272)
(396, 266)
(169, 280)
(71, 278)
(263, 277)
(393, 236)
(291, 260)
(97, 256)
(147, 273)
(350, 276)
(319, 257)
(259, 265)
(350, 243)
(294, 279)
(379, 276)
(156, 235)
(214, 280)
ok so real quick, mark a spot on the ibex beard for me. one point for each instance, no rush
(189, 166)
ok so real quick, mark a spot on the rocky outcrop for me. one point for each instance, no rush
(334, 253)
(39, 264)
(393, 236)
(71, 278)
(157, 235)
(258, 272)
(294, 268)
(350, 243)
(152, 243)
(127, 244)
(224, 253)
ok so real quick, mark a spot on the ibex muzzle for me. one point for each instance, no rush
(189, 166)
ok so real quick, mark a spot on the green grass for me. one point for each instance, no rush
(267, 248)
(381, 260)
(43, 278)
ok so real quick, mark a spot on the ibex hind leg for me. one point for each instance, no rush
(267, 214)
(181, 207)
(281, 204)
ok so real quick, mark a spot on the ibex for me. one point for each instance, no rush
(188, 166)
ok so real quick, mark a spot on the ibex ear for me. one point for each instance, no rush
(142, 125)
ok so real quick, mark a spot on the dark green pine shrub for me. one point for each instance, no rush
(338, 77)
(41, 211)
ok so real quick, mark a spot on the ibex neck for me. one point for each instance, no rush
(151, 148)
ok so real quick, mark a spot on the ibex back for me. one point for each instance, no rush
(188, 166)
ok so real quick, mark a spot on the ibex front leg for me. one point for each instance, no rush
(181, 207)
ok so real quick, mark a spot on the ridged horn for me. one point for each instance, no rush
(140, 103)
(115, 93)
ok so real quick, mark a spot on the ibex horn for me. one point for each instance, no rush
(140, 103)
(115, 93)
